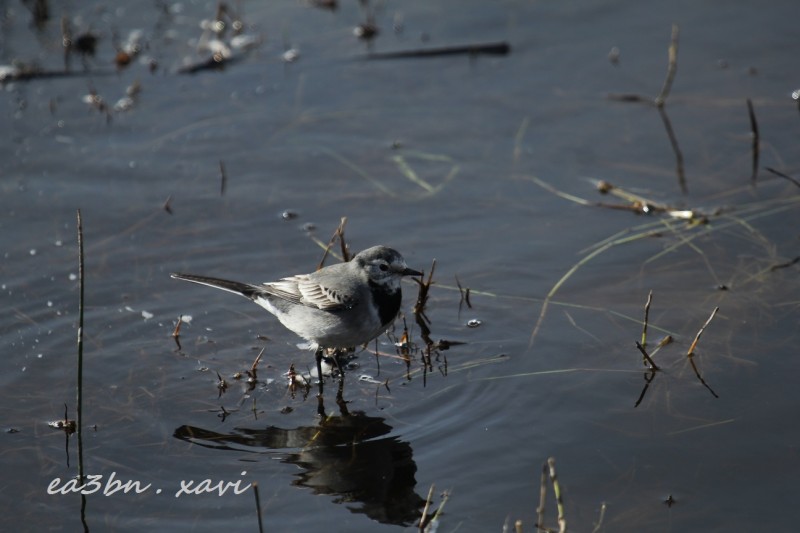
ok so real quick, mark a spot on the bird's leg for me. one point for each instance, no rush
(318, 356)
(321, 407)
(340, 401)
(337, 357)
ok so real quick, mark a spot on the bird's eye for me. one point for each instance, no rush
(384, 267)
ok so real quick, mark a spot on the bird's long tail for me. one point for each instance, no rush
(242, 289)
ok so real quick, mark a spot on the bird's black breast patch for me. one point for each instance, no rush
(388, 303)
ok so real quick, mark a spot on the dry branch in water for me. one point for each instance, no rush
(702, 329)
(647, 357)
(690, 353)
(338, 234)
(646, 317)
(672, 68)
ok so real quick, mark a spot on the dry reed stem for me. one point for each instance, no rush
(542, 498)
(647, 357)
(661, 100)
(690, 353)
(646, 317)
(672, 68)
(258, 506)
(599, 523)
(423, 519)
(746, 214)
(432, 524)
(338, 233)
(562, 519)
(177, 331)
(79, 400)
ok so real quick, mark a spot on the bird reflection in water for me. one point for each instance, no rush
(346, 456)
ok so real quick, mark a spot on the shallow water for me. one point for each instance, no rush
(332, 135)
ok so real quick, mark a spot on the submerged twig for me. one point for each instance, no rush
(673, 141)
(703, 381)
(168, 205)
(787, 264)
(629, 97)
(754, 134)
(498, 48)
(176, 333)
(648, 378)
(784, 176)
(464, 294)
(223, 178)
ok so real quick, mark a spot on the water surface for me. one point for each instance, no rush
(442, 158)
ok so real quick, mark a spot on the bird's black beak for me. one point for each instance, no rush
(410, 272)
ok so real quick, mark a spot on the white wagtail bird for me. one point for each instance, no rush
(339, 306)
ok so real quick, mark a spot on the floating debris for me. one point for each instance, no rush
(326, 4)
(130, 49)
(366, 30)
(291, 55)
(245, 42)
(68, 426)
(613, 56)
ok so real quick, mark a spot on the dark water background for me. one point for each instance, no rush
(333, 135)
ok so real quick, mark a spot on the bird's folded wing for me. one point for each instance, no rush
(304, 291)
